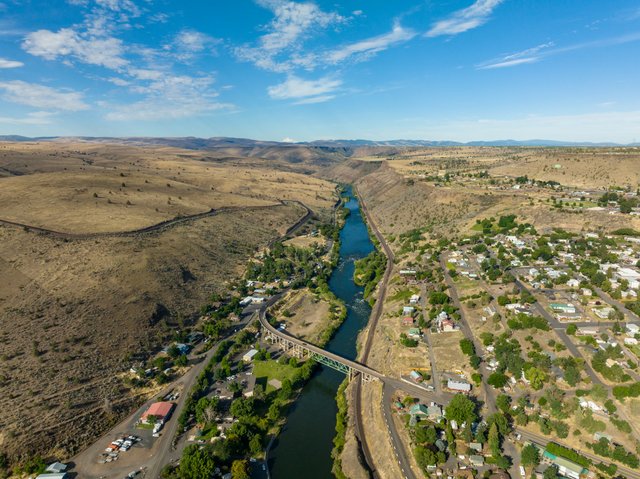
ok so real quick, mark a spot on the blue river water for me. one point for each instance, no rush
(303, 448)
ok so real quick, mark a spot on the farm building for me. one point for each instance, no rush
(161, 411)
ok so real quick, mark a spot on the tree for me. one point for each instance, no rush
(497, 380)
(551, 472)
(461, 409)
(239, 470)
(494, 440)
(196, 463)
(504, 403)
(536, 377)
(530, 456)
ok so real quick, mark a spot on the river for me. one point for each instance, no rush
(303, 448)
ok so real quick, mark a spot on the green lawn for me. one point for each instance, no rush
(264, 371)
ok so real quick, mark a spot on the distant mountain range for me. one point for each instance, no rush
(195, 143)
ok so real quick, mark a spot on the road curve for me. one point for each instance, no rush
(163, 225)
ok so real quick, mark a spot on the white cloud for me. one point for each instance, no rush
(293, 22)
(305, 91)
(40, 96)
(530, 55)
(187, 43)
(372, 45)
(171, 97)
(537, 53)
(466, 19)
(34, 118)
(10, 64)
(67, 42)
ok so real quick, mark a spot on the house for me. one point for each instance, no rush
(419, 410)
(573, 283)
(56, 467)
(460, 386)
(630, 341)
(475, 446)
(53, 475)
(415, 333)
(416, 376)
(632, 329)
(563, 308)
(441, 445)
(435, 412)
(249, 355)
(160, 411)
(414, 299)
(407, 320)
(587, 292)
(587, 332)
(603, 313)
(408, 272)
(629, 274)
(476, 460)
(566, 467)
(408, 310)
(447, 326)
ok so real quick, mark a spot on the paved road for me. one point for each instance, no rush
(163, 225)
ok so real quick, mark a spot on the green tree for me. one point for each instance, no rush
(196, 463)
(530, 456)
(494, 440)
(239, 470)
(536, 377)
(461, 409)
(504, 403)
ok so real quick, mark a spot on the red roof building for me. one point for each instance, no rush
(407, 320)
(159, 410)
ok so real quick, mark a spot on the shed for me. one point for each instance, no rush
(248, 357)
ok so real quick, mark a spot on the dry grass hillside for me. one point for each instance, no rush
(576, 167)
(403, 194)
(72, 310)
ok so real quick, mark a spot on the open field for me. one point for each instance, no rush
(75, 311)
(309, 315)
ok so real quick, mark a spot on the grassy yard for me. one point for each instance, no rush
(265, 371)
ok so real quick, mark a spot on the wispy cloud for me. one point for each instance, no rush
(370, 46)
(171, 97)
(466, 19)
(305, 91)
(4, 63)
(535, 54)
(530, 55)
(40, 96)
(33, 118)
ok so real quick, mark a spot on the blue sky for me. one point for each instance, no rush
(278, 69)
